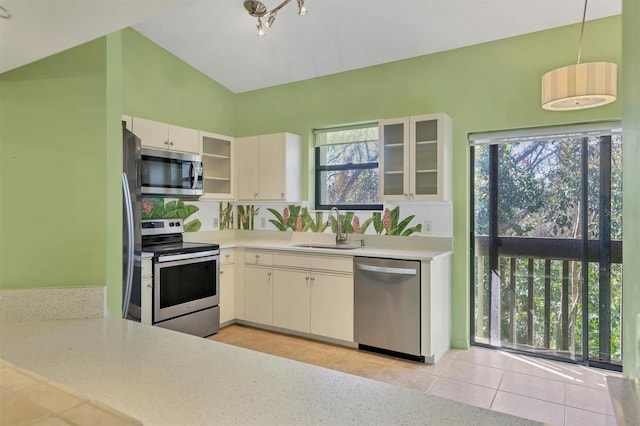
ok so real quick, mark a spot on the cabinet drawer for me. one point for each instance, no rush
(227, 257)
(320, 263)
(254, 257)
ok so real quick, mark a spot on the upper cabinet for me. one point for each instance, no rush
(154, 134)
(127, 119)
(415, 158)
(217, 166)
(269, 167)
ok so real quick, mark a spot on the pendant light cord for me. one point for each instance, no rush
(584, 17)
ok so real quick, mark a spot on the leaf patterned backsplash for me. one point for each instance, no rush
(299, 219)
(159, 208)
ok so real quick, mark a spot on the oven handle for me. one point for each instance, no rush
(187, 256)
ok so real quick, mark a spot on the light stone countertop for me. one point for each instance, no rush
(167, 378)
(412, 248)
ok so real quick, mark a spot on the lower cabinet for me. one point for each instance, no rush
(227, 286)
(291, 292)
(258, 296)
(146, 293)
(306, 293)
(332, 306)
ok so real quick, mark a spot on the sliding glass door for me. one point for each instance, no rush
(547, 242)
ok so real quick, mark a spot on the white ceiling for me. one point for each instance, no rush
(219, 38)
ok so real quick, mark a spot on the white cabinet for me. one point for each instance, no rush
(416, 158)
(258, 287)
(291, 293)
(332, 306)
(269, 167)
(154, 134)
(127, 119)
(314, 294)
(227, 285)
(217, 166)
(146, 293)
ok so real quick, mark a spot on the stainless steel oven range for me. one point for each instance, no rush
(186, 283)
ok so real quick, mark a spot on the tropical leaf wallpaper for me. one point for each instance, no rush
(159, 208)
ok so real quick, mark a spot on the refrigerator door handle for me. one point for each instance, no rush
(126, 195)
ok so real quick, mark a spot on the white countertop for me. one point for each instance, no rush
(413, 248)
(162, 377)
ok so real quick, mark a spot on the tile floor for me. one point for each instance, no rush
(29, 399)
(551, 392)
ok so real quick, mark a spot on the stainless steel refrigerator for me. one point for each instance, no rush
(131, 226)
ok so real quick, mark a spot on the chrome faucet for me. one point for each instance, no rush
(341, 237)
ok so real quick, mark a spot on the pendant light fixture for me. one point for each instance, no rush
(580, 86)
(259, 10)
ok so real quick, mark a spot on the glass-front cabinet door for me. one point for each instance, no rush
(416, 158)
(217, 165)
(394, 156)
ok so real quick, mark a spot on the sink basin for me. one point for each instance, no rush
(328, 246)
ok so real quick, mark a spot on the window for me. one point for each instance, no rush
(347, 167)
(547, 242)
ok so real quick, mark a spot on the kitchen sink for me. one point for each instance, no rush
(328, 246)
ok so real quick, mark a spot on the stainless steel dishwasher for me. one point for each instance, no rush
(387, 306)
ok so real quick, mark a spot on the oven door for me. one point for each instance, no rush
(185, 283)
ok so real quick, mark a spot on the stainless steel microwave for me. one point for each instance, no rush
(170, 173)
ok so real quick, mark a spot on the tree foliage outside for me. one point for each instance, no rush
(540, 196)
(348, 172)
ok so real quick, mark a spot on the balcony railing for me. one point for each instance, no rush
(522, 254)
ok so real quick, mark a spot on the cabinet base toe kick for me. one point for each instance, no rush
(302, 334)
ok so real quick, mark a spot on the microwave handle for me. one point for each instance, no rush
(194, 175)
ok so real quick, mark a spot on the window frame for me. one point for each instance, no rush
(319, 169)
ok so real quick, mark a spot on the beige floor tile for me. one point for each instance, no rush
(541, 368)
(89, 414)
(14, 380)
(319, 357)
(52, 421)
(532, 386)
(529, 408)
(483, 356)
(50, 397)
(414, 378)
(577, 417)
(588, 398)
(466, 393)
(358, 366)
(16, 411)
(473, 373)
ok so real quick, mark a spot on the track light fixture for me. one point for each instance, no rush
(259, 10)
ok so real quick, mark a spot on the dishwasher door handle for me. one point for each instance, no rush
(396, 271)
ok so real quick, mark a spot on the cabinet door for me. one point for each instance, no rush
(146, 299)
(332, 306)
(426, 157)
(247, 150)
(258, 299)
(183, 139)
(272, 167)
(291, 299)
(217, 166)
(227, 293)
(152, 134)
(394, 159)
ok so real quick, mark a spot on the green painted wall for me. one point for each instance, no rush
(489, 86)
(53, 171)
(631, 218)
(113, 165)
(159, 86)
